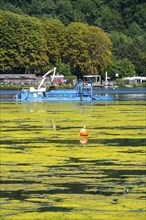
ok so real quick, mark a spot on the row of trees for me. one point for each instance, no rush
(123, 20)
(110, 15)
(31, 45)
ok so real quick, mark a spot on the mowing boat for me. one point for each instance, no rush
(82, 92)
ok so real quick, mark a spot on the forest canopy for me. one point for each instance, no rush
(83, 36)
(32, 45)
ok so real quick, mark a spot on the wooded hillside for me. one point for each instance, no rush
(78, 36)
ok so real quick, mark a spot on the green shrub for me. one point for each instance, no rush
(120, 83)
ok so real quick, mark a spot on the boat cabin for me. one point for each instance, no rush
(94, 79)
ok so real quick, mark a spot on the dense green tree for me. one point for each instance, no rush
(64, 11)
(41, 8)
(23, 47)
(124, 68)
(99, 49)
(54, 34)
(75, 48)
(63, 68)
(110, 19)
(122, 45)
(131, 47)
(133, 10)
(87, 49)
(139, 57)
(6, 6)
(134, 30)
(34, 46)
(86, 10)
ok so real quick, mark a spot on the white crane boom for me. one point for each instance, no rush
(44, 77)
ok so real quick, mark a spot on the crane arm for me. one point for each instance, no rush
(53, 75)
(45, 75)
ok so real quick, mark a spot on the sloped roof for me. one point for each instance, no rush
(135, 78)
(17, 76)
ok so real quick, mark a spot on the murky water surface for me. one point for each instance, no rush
(49, 172)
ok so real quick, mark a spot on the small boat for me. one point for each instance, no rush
(82, 92)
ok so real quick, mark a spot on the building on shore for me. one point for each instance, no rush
(134, 80)
(16, 79)
(29, 79)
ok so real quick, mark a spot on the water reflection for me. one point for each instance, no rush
(84, 141)
(55, 140)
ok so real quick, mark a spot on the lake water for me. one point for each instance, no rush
(48, 171)
(117, 93)
(99, 90)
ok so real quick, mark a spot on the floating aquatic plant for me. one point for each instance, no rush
(47, 173)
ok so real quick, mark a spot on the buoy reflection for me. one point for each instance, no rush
(84, 140)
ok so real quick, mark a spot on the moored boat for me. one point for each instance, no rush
(82, 92)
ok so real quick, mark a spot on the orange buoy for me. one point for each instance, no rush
(83, 131)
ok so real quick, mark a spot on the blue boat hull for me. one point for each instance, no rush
(63, 95)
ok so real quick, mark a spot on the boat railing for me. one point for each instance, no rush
(85, 90)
